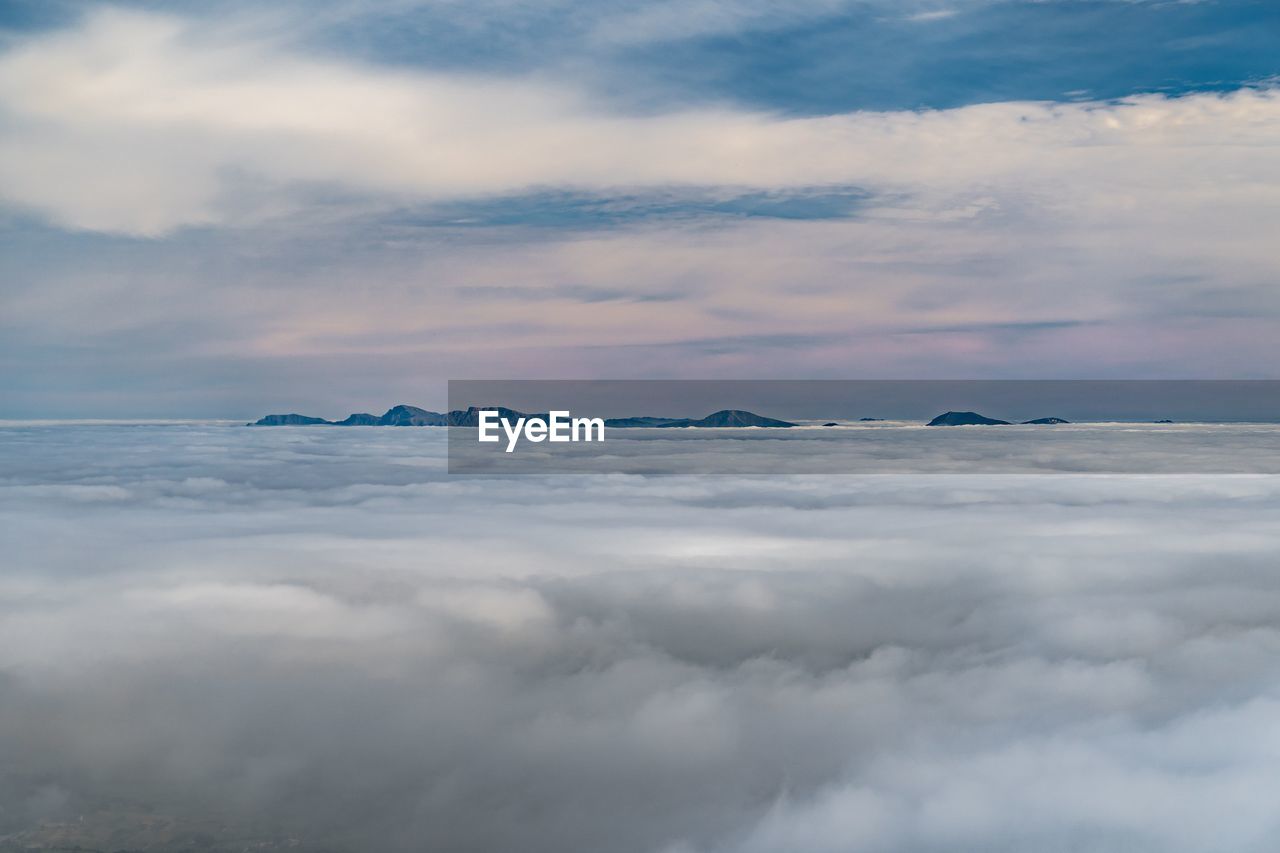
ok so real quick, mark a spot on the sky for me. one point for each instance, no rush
(226, 209)
(250, 635)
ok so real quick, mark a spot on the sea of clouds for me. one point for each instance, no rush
(317, 634)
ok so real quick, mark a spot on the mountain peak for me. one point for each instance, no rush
(965, 419)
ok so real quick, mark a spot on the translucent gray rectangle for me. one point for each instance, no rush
(668, 427)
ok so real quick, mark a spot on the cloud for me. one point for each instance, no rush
(203, 210)
(333, 317)
(262, 634)
(140, 123)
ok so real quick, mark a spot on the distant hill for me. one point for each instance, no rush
(401, 415)
(725, 418)
(471, 416)
(965, 419)
(645, 422)
(288, 420)
(358, 419)
(405, 415)
(1048, 421)
(735, 418)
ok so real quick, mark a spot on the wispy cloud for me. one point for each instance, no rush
(932, 15)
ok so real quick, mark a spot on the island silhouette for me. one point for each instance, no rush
(406, 415)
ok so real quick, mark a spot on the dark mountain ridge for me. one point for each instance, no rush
(405, 415)
(965, 419)
(289, 420)
(974, 419)
(725, 418)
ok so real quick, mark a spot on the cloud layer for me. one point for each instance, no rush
(141, 123)
(205, 209)
(314, 634)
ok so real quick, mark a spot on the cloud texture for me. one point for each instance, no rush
(141, 123)
(356, 201)
(314, 634)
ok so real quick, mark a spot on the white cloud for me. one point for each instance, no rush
(318, 631)
(140, 123)
(932, 15)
